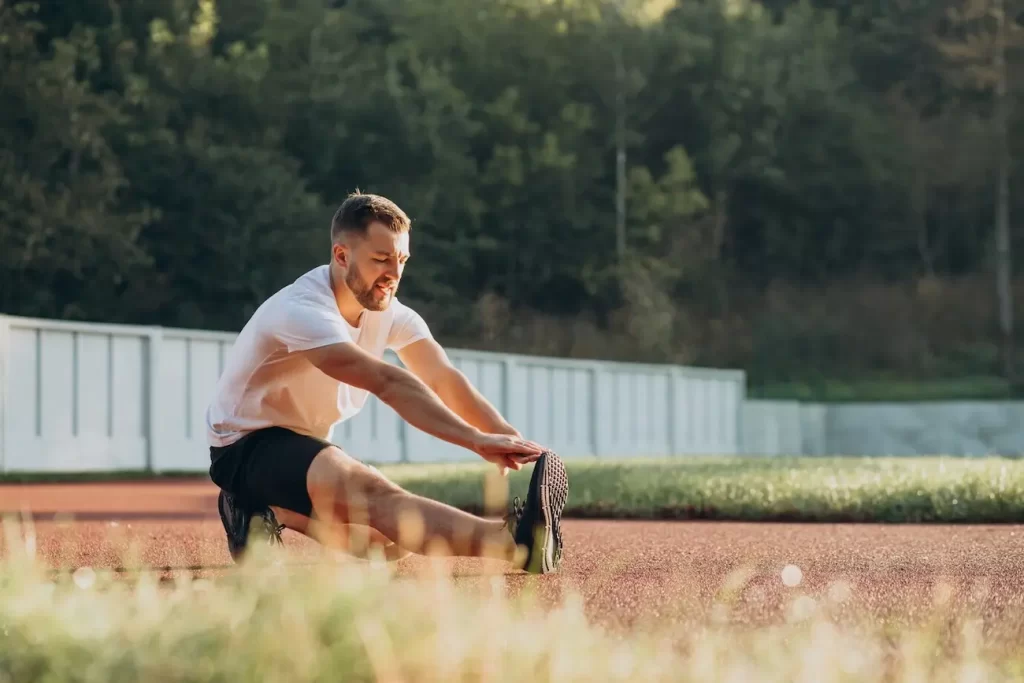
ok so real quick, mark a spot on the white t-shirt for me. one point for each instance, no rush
(266, 382)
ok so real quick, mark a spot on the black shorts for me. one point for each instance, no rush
(267, 467)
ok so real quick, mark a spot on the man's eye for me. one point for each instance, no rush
(381, 260)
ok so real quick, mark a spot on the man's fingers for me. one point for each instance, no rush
(528, 447)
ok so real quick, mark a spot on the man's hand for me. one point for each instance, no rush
(507, 452)
(428, 361)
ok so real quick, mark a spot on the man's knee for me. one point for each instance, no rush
(345, 489)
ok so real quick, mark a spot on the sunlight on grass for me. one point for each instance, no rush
(268, 621)
(804, 489)
(919, 489)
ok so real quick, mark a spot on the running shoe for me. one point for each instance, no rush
(238, 527)
(535, 524)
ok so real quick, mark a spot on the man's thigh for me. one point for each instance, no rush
(269, 467)
(342, 488)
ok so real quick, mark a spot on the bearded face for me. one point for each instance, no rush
(373, 264)
(372, 294)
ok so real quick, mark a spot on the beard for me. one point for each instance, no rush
(368, 295)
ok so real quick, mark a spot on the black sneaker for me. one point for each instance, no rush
(237, 521)
(535, 524)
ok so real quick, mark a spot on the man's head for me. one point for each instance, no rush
(369, 248)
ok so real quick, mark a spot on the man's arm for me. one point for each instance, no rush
(428, 361)
(416, 403)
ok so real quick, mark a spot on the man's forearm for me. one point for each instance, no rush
(419, 406)
(465, 400)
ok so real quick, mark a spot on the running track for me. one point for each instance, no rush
(626, 572)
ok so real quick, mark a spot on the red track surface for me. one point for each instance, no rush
(626, 572)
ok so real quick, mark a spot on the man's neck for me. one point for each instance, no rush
(350, 309)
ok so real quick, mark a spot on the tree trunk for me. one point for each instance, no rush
(620, 154)
(1003, 257)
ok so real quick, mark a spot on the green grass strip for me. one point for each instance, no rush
(893, 490)
(841, 489)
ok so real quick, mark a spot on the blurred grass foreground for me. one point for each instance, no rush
(358, 622)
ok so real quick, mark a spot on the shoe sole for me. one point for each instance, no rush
(258, 532)
(554, 491)
(234, 550)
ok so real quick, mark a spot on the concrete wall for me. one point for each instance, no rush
(971, 428)
(952, 428)
(77, 397)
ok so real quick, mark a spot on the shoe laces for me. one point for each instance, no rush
(271, 525)
(513, 517)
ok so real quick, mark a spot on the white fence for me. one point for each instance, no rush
(78, 397)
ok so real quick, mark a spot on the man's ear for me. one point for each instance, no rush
(340, 254)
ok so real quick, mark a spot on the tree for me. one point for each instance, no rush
(203, 145)
(977, 40)
(68, 248)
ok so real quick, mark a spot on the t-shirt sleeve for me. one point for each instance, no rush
(306, 326)
(408, 327)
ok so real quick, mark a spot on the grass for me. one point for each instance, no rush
(357, 622)
(842, 489)
(898, 490)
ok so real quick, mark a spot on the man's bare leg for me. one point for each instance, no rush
(347, 492)
(356, 540)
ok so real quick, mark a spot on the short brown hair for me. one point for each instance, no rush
(359, 210)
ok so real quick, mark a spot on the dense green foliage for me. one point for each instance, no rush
(810, 186)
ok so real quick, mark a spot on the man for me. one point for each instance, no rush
(307, 359)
